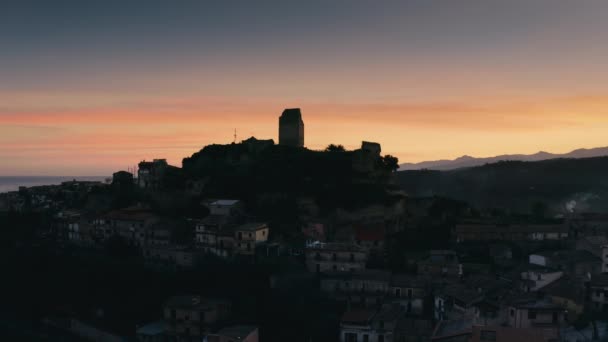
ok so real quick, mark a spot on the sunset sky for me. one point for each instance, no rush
(90, 87)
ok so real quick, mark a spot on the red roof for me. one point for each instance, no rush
(370, 232)
(357, 316)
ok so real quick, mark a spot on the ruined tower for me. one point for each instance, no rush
(291, 128)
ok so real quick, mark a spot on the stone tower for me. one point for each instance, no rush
(291, 128)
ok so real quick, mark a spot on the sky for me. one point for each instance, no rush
(92, 87)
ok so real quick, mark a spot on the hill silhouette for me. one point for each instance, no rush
(468, 161)
(562, 184)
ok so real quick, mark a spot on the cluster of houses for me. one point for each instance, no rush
(224, 233)
(537, 281)
(453, 298)
(449, 297)
(188, 318)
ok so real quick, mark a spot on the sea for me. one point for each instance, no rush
(12, 183)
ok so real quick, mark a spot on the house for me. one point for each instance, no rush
(568, 293)
(226, 207)
(440, 263)
(370, 326)
(457, 301)
(374, 288)
(335, 257)
(534, 312)
(459, 330)
(215, 235)
(248, 236)
(599, 293)
(592, 244)
(576, 263)
(190, 317)
(361, 288)
(170, 257)
(314, 232)
(129, 223)
(534, 278)
(122, 179)
(589, 224)
(73, 227)
(475, 298)
(508, 334)
(370, 236)
(150, 174)
(237, 333)
(408, 292)
(510, 232)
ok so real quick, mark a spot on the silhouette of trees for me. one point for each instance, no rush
(335, 148)
(390, 163)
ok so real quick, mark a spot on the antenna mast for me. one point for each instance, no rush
(234, 141)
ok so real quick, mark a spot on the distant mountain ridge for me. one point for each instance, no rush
(468, 161)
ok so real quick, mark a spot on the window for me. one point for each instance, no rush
(334, 257)
(397, 292)
(531, 314)
(512, 312)
(334, 267)
(352, 257)
(365, 338)
(488, 335)
(381, 324)
(409, 293)
(380, 338)
(350, 337)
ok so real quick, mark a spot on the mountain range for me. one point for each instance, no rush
(468, 161)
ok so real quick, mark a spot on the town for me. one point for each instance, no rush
(257, 241)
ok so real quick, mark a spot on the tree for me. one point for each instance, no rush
(390, 163)
(335, 148)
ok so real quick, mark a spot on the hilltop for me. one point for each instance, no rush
(468, 161)
(560, 184)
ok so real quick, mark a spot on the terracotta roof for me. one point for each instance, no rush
(357, 316)
(370, 232)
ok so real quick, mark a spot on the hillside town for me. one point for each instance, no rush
(349, 257)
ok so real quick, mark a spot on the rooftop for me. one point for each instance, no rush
(225, 202)
(335, 246)
(453, 328)
(252, 226)
(369, 232)
(357, 316)
(291, 115)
